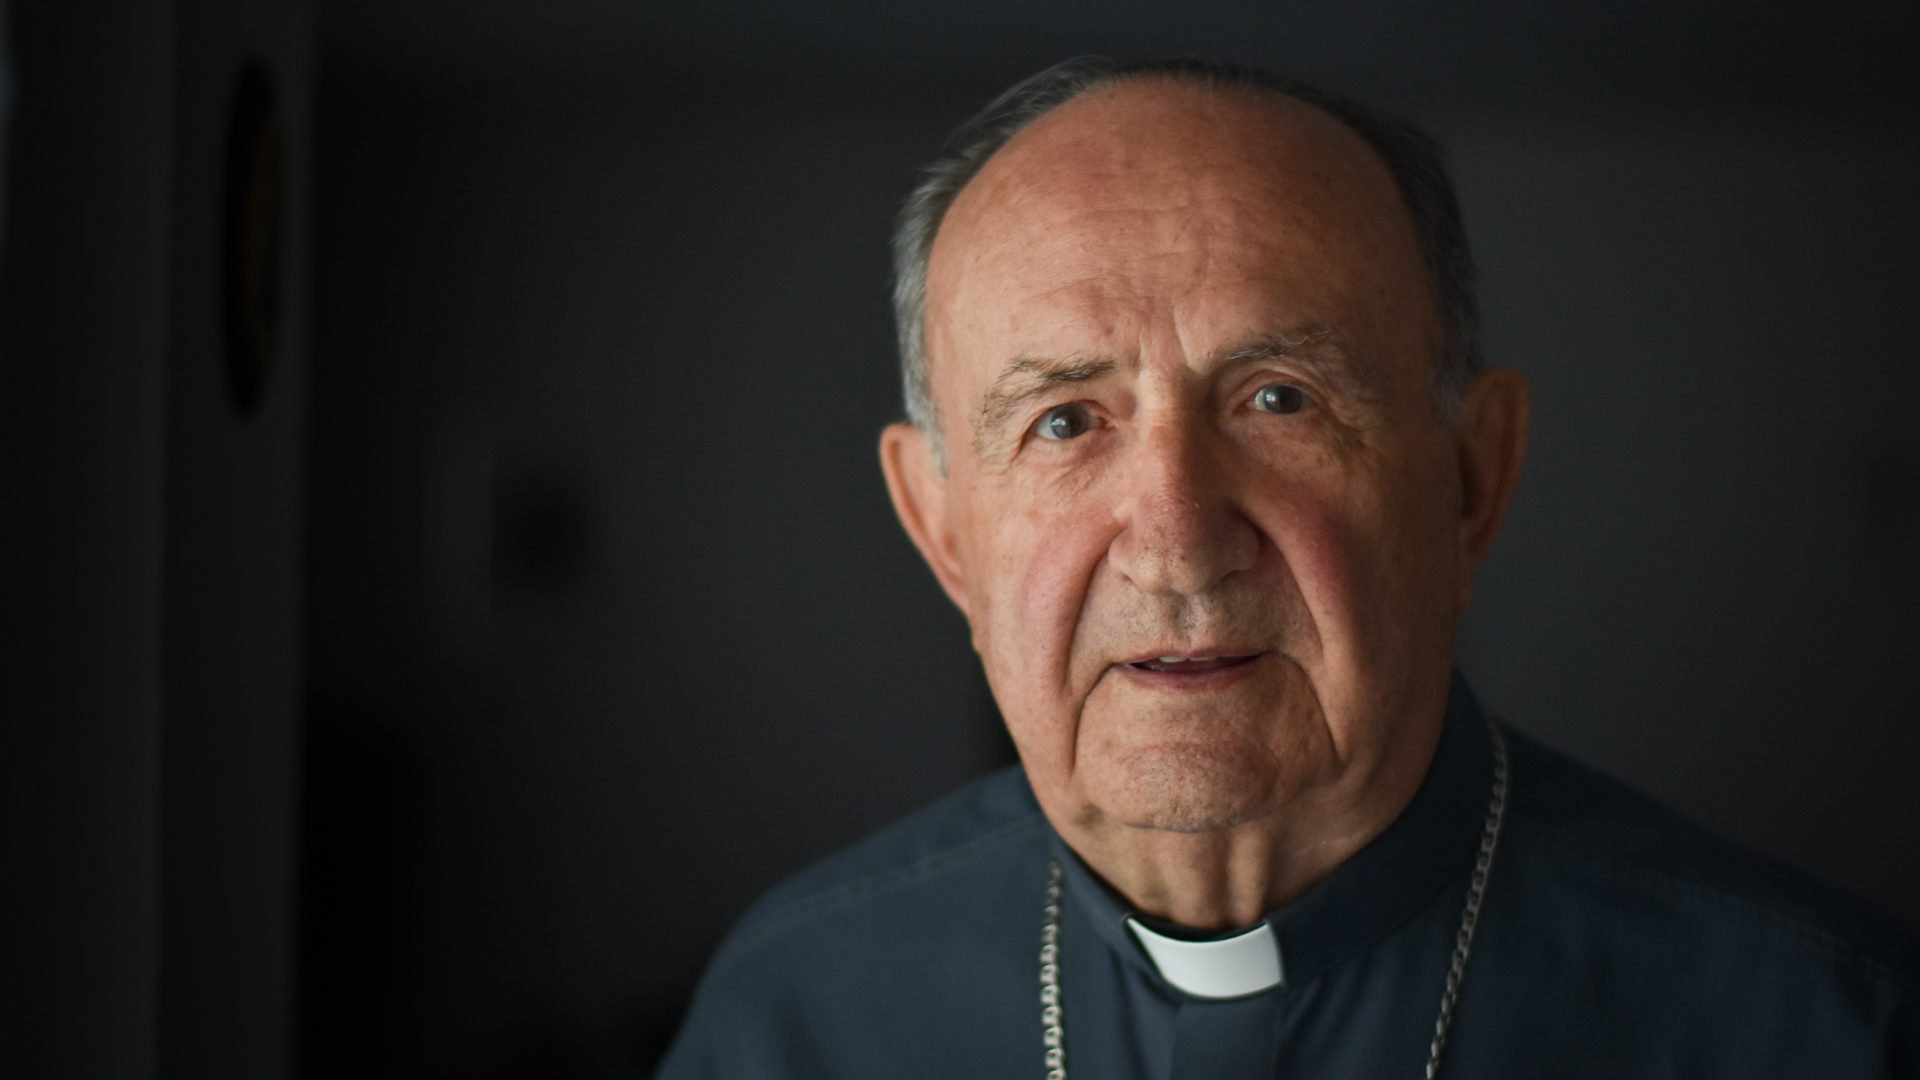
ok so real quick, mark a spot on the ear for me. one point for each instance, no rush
(1492, 441)
(919, 492)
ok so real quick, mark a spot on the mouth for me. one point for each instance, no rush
(1192, 665)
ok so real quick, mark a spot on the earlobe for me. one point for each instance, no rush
(919, 492)
(1492, 445)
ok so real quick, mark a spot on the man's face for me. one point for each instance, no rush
(1199, 509)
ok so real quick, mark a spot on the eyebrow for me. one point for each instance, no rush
(1270, 347)
(1024, 379)
(1315, 349)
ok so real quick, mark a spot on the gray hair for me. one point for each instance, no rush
(1415, 160)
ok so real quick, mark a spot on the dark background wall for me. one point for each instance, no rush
(437, 717)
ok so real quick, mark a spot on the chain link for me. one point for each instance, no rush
(1052, 1031)
(1476, 892)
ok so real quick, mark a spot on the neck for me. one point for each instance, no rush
(1232, 877)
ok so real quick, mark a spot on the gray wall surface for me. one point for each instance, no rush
(1708, 582)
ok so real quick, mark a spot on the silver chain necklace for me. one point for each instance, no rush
(1054, 1032)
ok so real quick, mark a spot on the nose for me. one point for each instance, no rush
(1182, 530)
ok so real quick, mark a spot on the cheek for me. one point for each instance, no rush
(1053, 583)
(1374, 563)
(1358, 553)
(1025, 630)
(1318, 531)
(1317, 540)
(1039, 567)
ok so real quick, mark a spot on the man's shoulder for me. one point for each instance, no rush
(1596, 830)
(898, 933)
(910, 875)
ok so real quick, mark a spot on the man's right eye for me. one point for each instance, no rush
(1064, 422)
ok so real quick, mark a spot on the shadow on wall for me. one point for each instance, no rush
(611, 625)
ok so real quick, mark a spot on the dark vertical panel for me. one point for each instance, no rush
(83, 312)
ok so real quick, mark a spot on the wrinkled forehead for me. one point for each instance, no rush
(1123, 169)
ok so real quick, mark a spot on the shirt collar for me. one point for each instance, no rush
(1235, 965)
(1431, 843)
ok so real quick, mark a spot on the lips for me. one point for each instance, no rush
(1192, 665)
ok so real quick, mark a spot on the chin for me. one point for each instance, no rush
(1187, 792)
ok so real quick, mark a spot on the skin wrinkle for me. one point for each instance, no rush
(1008, 393)
(1171, 250)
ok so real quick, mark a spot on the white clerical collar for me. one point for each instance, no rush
(1235, 967)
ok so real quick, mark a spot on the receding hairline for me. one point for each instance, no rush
(1333, 132)
(1321, 142)
(1270, 99)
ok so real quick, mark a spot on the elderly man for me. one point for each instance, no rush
(1201, 448)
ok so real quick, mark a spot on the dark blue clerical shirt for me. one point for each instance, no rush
(1615, 940)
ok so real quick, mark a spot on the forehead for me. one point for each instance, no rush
(1161, 134)
(1192, 195)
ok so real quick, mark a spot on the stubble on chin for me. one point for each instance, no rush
(1183, 791)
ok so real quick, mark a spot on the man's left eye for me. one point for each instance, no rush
(1279, 398)
(1064, 422)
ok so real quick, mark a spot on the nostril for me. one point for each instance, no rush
(1183, 544)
